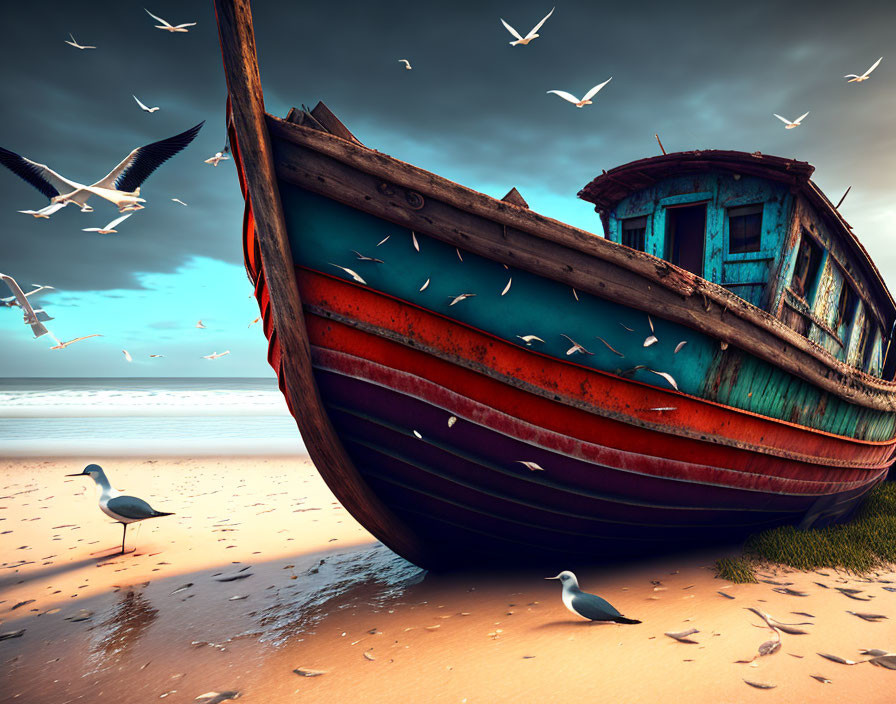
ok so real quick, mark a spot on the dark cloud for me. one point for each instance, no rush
(474, 109)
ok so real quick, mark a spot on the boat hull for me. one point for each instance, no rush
(442, 408)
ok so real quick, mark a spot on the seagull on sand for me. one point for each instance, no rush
(143, 107)
(121, 186)
(587, 605)
(407, 64)
(853, 78)
(586, 99)
(533, 33)
(167, 26)
(788, 125)
(34, 318)
(124, 509)
(74, 43)
(110, 228)
(63, 345)
(215, 355)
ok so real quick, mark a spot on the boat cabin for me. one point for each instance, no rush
(758, 226)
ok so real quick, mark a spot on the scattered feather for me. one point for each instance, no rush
(838, 659)
(451, 421)
(458, 253)
(418, 435)
(531, 466)
(789, 592)
(820, 678)
(507, 287)
(461, 297)
(886, 661)
(306, 672)
(610, 347)
(575, 294)
(682, 636)
(383, 241)
(414, 241)
(868, 617)
(233, 577)
(760, 685)
(627, 328)
(425, 285)
(369, 656)
(183, 587)
(7, 635)
(650, 323)
(351, 273)
(679, 346)
(727, 596)
(667, 377)
(651, 340)
(82, 615)
(365, 258)
(217, 697)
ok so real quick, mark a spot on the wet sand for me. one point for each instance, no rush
(261, 572)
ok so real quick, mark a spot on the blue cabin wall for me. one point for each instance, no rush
(745, 274)
(764, 277)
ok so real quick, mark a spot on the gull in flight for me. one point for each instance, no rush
(110, 228)
(143, 107)
(127, 355)
(853, 78)
(167, 26)
(74, 43)
(219, 156)
(120, 186)
(215, 355)
(586, 100)
(34, 318)
(178, 200)
(788, 125)
(533, 33)
(63, 345)
(407, 64)
(12, 302)
(156, 355)
(45, 212)
(200, 324)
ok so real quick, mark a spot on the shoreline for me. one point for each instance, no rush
(321, 594)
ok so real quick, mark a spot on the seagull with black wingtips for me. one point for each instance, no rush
(124, 509)
(587, 605)
(121, 186)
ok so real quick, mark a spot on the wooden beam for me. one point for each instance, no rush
(333, 124)
(237, 39)
(513, 196)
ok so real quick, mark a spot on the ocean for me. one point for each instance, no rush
(136, 417)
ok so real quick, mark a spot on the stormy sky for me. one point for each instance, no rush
(473, 109)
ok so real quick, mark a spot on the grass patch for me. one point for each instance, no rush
(865, 543)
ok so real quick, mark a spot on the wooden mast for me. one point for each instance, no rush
(237, 38)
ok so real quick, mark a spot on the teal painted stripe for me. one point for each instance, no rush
(324, 232)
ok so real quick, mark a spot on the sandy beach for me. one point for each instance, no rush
(261, 573)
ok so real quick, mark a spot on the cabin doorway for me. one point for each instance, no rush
(685, 236)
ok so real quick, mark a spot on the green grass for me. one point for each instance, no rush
(863, 544)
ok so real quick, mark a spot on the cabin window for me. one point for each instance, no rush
(805, 271)
(846, 307)
(633, 232)
(745, 229)
(868, 352)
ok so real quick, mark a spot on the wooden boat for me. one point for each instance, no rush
(719, 364)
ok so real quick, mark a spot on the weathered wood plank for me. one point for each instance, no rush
(244, 86)
(576, 260)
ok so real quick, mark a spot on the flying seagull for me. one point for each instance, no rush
(178, 200)
(587, 605)
(215, 355)
(200, 324)
(853, 78)
(74, 43)
(407, 64)
(46, 211)
(219, 156)
(127, 355)
(586, 100)
(167, 26)
(121, 186)
(63, 345)
(124, 509)
(12, 302)
(788, 125)
(34, 318)
(533, 33)
(143, 107)
(110, 228)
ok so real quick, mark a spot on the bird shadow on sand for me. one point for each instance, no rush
(56, 569)
(570, 623)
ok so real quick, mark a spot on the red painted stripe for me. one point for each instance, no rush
(635, 462)
(627, 398)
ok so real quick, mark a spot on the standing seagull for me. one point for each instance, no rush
(587, 605)
(586, 99)
(788, 125)
(74, 43)
(120, 186)
(143, 107)
(168, 26)
(533, 33)
(124, 509)
(853, 78)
